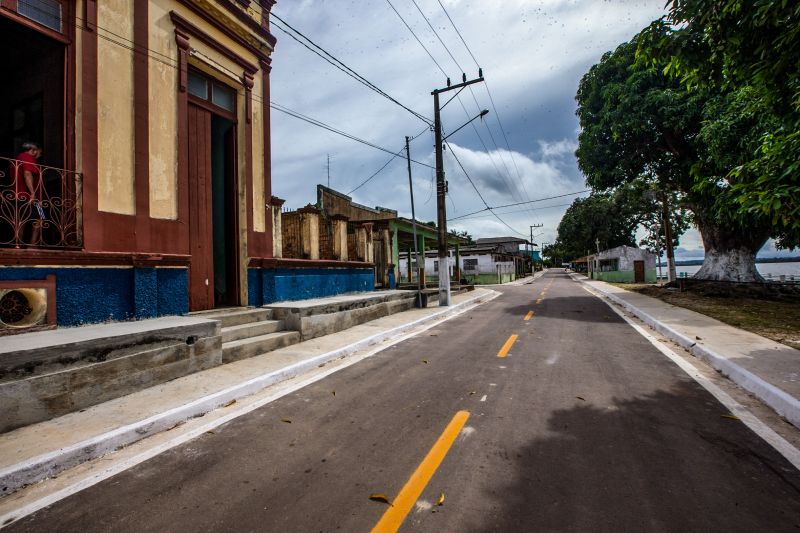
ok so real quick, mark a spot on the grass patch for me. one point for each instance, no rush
(772, 312)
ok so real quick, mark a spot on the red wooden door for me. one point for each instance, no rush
(201, 269)
(638, 271)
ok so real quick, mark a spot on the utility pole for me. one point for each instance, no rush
(441, 188)
(668, 239)
(413, 223)
(530, 255)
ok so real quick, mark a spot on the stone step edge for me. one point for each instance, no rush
(37, 468)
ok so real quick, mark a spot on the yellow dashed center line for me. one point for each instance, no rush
(507, 346)
(539, 301)
(393, 518)
(528, 316)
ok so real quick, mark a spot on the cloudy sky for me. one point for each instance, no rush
(533, 54)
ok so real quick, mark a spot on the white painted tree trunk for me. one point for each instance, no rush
(730, 255)
(729, 265)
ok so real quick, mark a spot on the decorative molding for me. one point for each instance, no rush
(218, 23)
(188, 29)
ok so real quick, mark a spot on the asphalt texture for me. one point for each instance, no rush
(584, 426)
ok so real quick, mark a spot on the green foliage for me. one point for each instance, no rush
(746, 54)
(608, 218)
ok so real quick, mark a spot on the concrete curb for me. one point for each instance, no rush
(50, 464)
(783, 403)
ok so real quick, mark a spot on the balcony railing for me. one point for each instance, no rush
(50, 216)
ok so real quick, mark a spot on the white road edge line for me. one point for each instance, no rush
(758, 427)
(95, 478)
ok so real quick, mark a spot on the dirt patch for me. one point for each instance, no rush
(770, 311)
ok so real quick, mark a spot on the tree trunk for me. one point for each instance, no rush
(730, 253)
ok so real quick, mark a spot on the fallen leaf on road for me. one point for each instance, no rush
(581, 398)
(228, 404)
(379, 497)
(287, 420)
(440, 501)
(333, 392)
(211, 432)
(731, 417)
(425, 361)
(471, 393)
(698, 338)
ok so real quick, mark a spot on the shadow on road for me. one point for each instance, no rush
(647, 464)
(577, 308)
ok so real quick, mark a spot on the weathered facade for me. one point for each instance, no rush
(154, 184)
(623, 264)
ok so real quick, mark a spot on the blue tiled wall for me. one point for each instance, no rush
(280, 284)
(87, 295)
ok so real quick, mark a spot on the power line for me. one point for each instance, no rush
(478, 192)
(522, 203)
(459, 33)
(300, 116)
(477, 216)
(387, 163)
(522, 191)
(415, 37)
(331, 59)
(488, 92)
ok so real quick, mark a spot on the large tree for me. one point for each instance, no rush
(639, 124)
(748, 50)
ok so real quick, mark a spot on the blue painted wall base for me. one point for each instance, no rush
(270, 285)
(90, 295)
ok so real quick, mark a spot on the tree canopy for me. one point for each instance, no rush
(745, 53)
(641, 125)
(600, 217)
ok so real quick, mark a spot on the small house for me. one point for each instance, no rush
(623, 264)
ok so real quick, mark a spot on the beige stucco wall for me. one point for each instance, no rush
(115, 109)
(163, 111)
(259, 201)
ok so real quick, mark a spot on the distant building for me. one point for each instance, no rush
(623, 264)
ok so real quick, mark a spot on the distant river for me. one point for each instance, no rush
(768, 270)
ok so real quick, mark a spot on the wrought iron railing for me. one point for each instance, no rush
(50, 216)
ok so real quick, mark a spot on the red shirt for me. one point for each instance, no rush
(26, 163)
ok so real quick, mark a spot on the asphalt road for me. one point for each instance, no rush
(583, 426)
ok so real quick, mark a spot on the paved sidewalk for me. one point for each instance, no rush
(32, 453)
(767, 369)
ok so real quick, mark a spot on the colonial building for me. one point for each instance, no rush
(152, 194)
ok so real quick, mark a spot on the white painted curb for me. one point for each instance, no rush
(47, 465)
(783, 403)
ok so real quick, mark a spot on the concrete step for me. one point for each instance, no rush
(251, 329)
(235, 316)
(245, 348)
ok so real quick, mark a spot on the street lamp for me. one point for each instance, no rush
(481, 114)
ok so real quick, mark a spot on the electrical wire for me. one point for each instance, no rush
(526, 202)
(319, 123)
(478, 192)
(334, 61)
(488, 92)
(477, 216)
(521, 190)
(506, 179)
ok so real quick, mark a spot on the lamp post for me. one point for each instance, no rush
(441, 185)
